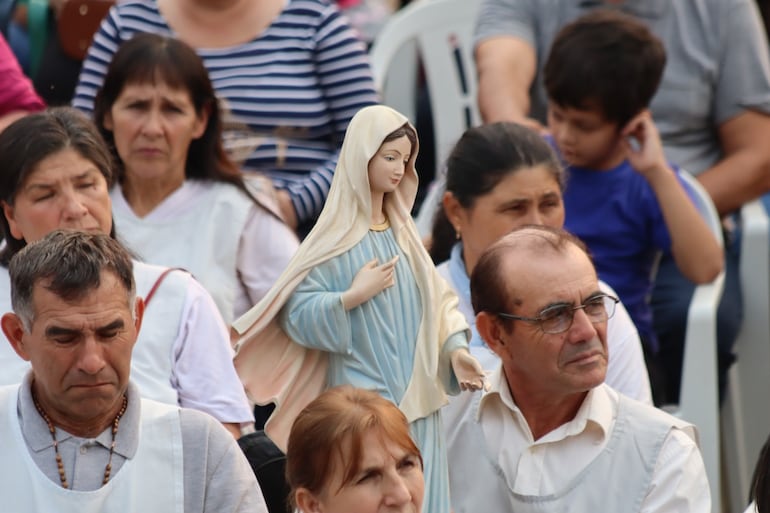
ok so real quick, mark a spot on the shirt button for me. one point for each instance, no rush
(83, 449)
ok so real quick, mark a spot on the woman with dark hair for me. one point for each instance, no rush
(501, 176)
(290, 75)
(180, 201)
(361, 303)
(57, 172)
(350, 452)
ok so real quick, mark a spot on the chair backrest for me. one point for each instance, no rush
(699, 395)
(440, 34)
(746, 412)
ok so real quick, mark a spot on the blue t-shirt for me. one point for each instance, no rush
(616, 213)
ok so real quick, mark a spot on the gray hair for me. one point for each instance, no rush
(71, 264)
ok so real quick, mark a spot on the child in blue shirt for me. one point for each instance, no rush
(623, 199)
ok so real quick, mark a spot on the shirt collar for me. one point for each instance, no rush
(642, 8)
(38, 437)
(599, 408)
(457, 271)
(498, 391)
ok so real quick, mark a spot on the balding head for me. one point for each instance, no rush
(492, 289)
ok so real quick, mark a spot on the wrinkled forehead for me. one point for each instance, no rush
(63, 293)
(65, 162)
(541, 271)
(356, 452)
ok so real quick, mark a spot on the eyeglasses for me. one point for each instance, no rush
(558, 318)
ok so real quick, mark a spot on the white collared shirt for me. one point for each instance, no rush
(544, 466)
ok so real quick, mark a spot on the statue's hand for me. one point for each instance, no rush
(369, 281)
(468, 370)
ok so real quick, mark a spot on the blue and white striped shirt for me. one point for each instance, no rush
(287, 96)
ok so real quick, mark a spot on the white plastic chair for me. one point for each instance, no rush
(699, 393)
(440, 34)
(746, 412)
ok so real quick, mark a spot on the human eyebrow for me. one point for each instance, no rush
(88, 173)
(115, 325)
(38, 186)
(372, 469)
(594, 295)
(60, 331)
(552, 307)
(550, 196)
(514, 203)
(407, 460)
(136, 102)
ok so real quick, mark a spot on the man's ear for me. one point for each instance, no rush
(14, 332)
(306, 501)
(138, 313)
(490, 331)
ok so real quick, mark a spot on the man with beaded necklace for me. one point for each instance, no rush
(76, 435)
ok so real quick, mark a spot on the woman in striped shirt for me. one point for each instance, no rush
(289, 74)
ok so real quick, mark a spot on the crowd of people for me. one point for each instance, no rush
(209, 263)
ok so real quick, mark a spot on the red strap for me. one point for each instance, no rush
(157, 283)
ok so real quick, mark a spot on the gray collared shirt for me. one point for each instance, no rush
(84, 458)
(217, 476)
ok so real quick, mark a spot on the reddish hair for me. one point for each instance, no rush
(329, 432)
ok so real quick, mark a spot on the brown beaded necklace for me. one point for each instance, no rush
(52, 429)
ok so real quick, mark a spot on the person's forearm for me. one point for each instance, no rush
(737, 179)
(233, 428)
(743, 174)
(506, 67)
(694, 247)
(501, 101)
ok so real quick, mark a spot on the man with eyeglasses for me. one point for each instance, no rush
(549, 435)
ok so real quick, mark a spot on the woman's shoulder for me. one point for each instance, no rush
(139, 16)
(148, 8)
(176, 280)
(308, 11)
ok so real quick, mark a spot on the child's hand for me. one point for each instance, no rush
(643, 147)
(369, 281)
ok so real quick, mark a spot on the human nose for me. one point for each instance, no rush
(563, 134)
(91, 359)
(152, 124)
(582, 328)
(397, 491)
(533, 216)
(73, 207)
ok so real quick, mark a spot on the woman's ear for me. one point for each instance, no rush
(202, 121)
(453, 210)
(306, 501)
(13, 226)
(107, 121)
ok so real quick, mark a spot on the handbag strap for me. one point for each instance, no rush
(157, 283)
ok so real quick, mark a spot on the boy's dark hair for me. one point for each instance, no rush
(605, 60)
